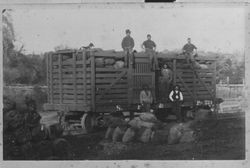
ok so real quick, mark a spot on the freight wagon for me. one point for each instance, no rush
(85, 85)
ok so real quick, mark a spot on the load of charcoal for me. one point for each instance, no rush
(25, 138)
(146, 128)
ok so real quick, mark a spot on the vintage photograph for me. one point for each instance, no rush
(124, 82)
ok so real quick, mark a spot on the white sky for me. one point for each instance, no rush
(211, 29)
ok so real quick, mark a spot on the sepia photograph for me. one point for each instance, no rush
(124, 82)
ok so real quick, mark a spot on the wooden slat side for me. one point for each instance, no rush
(93, 87)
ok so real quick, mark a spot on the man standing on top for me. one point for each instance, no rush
(149, 46)
(190, 50)
(127, 46)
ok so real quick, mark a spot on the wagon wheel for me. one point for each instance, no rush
(88, 122)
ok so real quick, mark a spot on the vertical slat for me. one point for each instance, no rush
(130, 82)
(74, 74)
(93, 87)
(174, 70)
(60, 77)
(84, 76)
(51, 78)
(48, 77)
(194, 88)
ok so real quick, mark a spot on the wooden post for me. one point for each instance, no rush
(51, 78)
(130, 80)
(194, 89)
(74, 75)
(60, 77)
(93, 89)
(84, 76)
(48, 77)
(174, 70)
(214, 89)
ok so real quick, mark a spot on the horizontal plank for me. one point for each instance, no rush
(67, 107)
(97, 81)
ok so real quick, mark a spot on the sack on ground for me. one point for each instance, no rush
(109, 133)
(148, 117)
(160, 136)
(129, 135)
(118, 134)
(146, 135)
(175, 133)
(188, 136)
(202, 114)
(135, 122)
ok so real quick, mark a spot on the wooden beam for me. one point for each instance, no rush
(84, 69)
(60, 77)
(203, 83)
(93, 85)
(187, 89)
(174, 70)
(123, 73)
(74, 76)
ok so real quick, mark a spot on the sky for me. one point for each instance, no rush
(211, 29)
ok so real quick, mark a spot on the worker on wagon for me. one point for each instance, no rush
(127, 46)
(165, 81)
(146, 98)
(176, 98)
(190, 51)
(149, 46)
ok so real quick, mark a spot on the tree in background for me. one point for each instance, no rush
(19, 68)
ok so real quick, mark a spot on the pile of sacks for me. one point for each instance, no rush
(109, 63)
(146, 128)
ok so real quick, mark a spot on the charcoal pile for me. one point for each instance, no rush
(25, 138)
(144, 129)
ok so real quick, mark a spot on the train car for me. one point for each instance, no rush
(84, 85)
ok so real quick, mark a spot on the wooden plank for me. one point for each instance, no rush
(84, 75)
(60, 76)
(48, 77)
(174, 71)
(204, 84)
(114, 82)
(185, 86)
(93, 87)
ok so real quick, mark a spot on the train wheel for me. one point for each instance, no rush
(88, 122)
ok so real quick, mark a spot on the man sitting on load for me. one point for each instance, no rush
(127, 46)
(149, 46)
(190, 51)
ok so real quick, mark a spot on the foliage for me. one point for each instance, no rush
(18, 67)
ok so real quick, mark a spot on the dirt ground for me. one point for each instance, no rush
(222, 139)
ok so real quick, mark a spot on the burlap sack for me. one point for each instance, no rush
(148, 117)
(129, 135)
(118, 134)
(109, 133)
(146, 135)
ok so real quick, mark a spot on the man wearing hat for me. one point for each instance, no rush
(149, 46)
(190, 50)
(127, 45)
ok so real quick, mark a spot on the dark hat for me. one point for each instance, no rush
(128, 31)
(149, 35)
(91, 45)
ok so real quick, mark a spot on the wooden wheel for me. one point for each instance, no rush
(88, 122)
